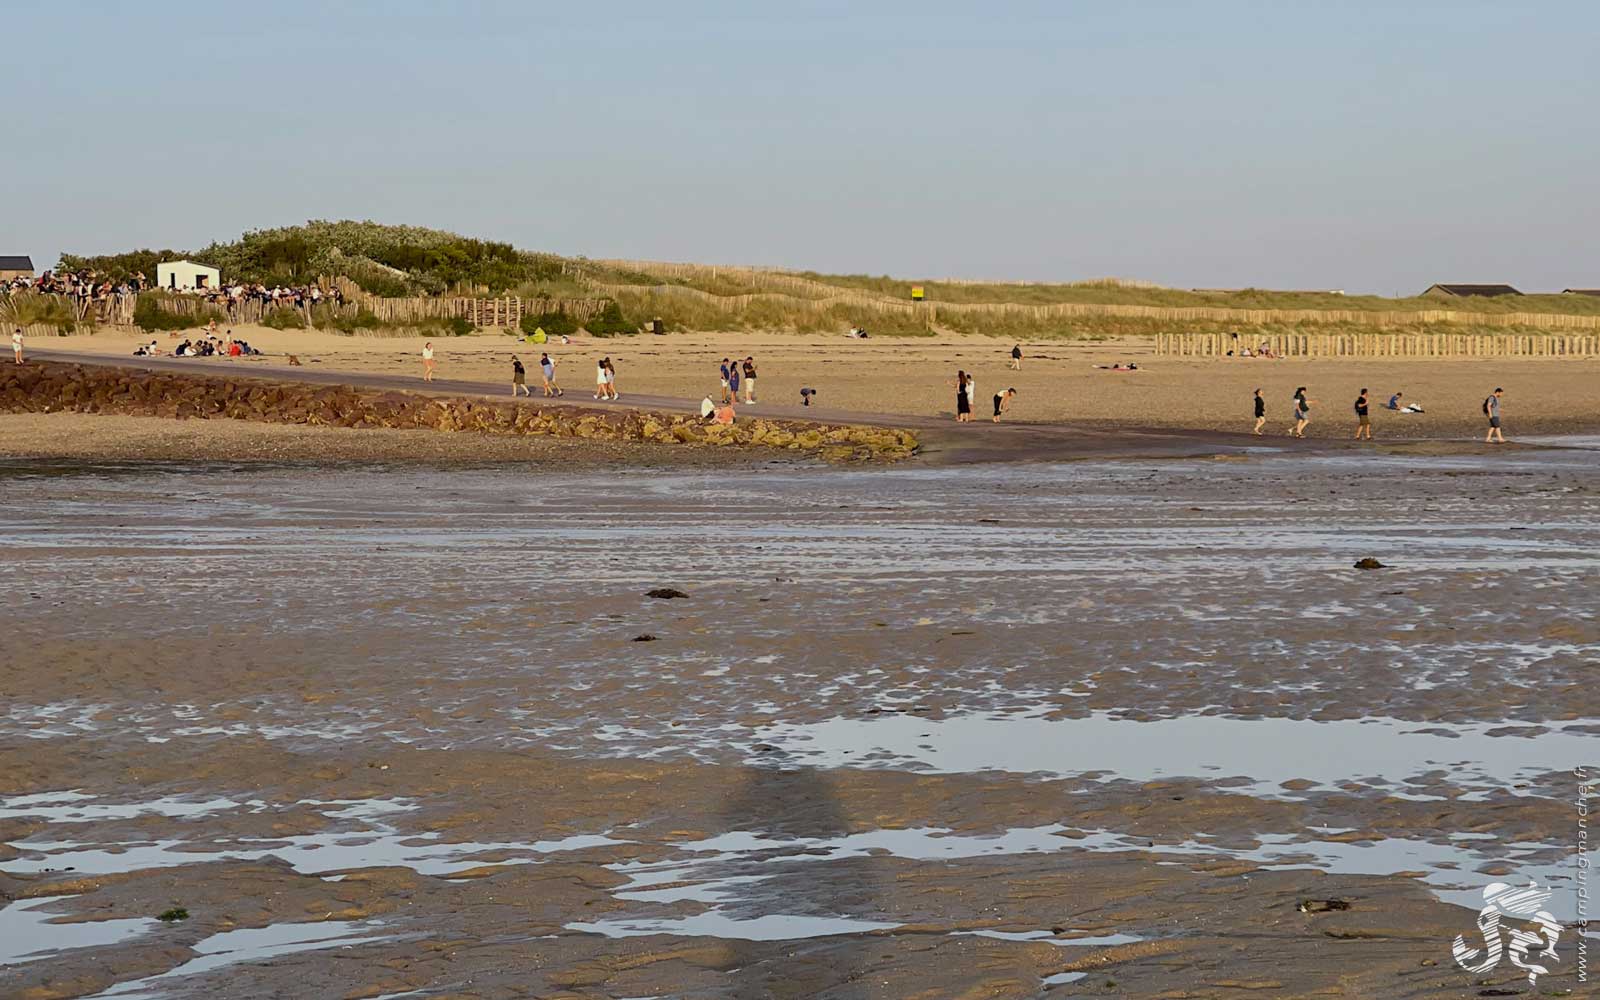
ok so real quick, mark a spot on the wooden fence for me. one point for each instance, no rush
(869, 303)
(1383, 345)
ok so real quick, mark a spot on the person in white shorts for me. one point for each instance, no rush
(16, 344)
(601, 389)
(427, 362)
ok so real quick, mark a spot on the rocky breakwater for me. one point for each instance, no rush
(49, 387)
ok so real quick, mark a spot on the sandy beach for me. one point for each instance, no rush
(1058, 381)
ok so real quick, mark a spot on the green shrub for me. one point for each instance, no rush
(150, 314)
(364, 319)
(42, 310)
(283, 318)
(609, 321)
(555, 324)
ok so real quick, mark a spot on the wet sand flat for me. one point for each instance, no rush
(1032, 730)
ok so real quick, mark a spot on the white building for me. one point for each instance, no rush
(181, 275)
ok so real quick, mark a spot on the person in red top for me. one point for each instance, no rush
(233, 349)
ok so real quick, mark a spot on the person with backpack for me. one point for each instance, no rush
(1302, 413)
(1363, 417)
(1491, 409)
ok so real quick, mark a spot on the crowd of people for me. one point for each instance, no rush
(85, 286)
(82, 286)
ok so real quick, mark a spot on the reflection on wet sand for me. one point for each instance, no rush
(974, 730)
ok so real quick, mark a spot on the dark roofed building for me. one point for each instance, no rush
(15, 267)
(1581, 291)
(1464, 291)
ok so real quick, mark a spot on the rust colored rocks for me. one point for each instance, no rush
(46, 387)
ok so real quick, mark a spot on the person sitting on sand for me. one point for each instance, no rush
(724, 414)
(1395, 403)
(1002, 402)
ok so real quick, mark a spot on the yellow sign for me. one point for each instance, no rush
(916, 293)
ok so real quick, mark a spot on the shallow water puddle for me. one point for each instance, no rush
(28, 931)
(76, 807)
(1269, 751)
(373, 844)
(252, 944)
(768, 927)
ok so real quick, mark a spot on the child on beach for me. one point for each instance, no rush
(16, 344)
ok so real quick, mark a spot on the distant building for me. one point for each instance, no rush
(186, 274)
(1467, 291)
(15, 267)
(1581, 291)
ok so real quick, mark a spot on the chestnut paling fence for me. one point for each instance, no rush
(1425, 344)
(1554, 335)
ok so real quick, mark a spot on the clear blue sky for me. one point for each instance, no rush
(1371, 146)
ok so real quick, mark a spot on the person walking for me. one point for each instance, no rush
(724, 375)
(1016, 358)
(519, 378)
(601, 389)
(547, 368)
(1002, 402)
(749, 380)
(1261, 413)
(1302, 413)
(1491, 409)
(1363, 417)
(16, 344)
(963, 399)
(611, 377)
(427, 362)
